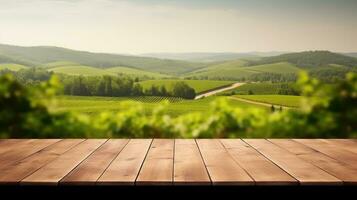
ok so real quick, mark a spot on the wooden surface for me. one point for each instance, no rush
(178, 162)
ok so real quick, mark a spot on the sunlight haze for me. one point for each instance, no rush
(145, 26)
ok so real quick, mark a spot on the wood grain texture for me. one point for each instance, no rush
(126, 166)
(331, 150)
(23, 150)
(221, 167)
(262, 170)
(303, 171)
(89, 171)
(53, 172)
(158, 166)
(189, 168)
(346, 144)
(6, 145)
(178, 162)
(330, 165)
(17, 171)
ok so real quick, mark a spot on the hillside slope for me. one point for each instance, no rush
(34, 56)
(309, 59)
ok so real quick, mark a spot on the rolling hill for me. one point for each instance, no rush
(238, 69)
(12, 67)
(309, 59)
(70, 68)
(279, 68)
(79, 70)
(201, 57)
(36, 56)
(317, 62)
(134, 72)
(74, 62)
(352, 54)
(211, 57)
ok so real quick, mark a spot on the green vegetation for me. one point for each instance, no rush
(323, 65)
(237, 70)
(70, 68)
(79, 70)
(279, 68)
(327, 111)
(198, 85)
(309, 59)
(229, 70)
(134, 72)
(58, 64)
(37, 56)
(265, 88)
(11, 67)
(280, 100)
(177, 106)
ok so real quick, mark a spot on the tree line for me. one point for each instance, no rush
(121, 86)
(110, 86)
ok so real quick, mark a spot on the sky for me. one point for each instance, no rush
(153, 26)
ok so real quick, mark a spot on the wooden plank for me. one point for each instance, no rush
(54, 171)
(158, 165)
(347, 144)
(24, 150)
(303, 171)
(8, 144)
(17, 171)
(189, 168)
(330, 165)
(88, 172)
(126, 166)
(221, 167)
(262, 170)
(331, 150)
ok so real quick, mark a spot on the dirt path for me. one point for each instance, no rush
(260, 103)
(213, 92)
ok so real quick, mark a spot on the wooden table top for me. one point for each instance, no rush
(178, 161)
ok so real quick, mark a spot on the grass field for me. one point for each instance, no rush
(259, 88)
(12, 67)
(95, 105)
(237, 69)
(283, 100)
(198, 85)
(134, 72)
(59, 64)
(280, 68)
(77, 69)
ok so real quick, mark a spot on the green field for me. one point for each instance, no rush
(282, 100)
(12, 67)
(238, 69)
(280, 68)
(134, 72)
(79, 70)
(260, 88)
(58, 64)
(198, 85)
(69, 68)
(95, 105)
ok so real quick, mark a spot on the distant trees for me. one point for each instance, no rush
(181, 89)
(121, 86)
(100, 86)
(110, 86)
